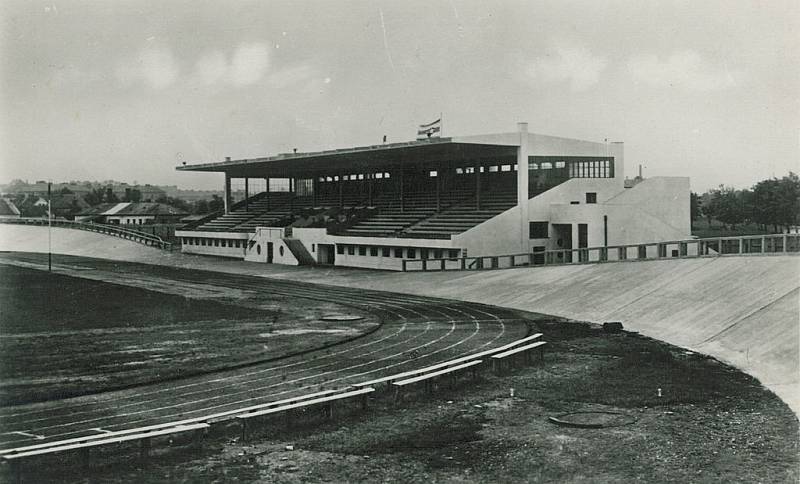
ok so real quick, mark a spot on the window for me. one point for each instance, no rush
(313, 247)
(591, 197)
(351, 250)
(202, 241)
(539, 230)
(412, 253)
(373, 251)
(533, 166)
(560, 164)
(216, 242)
(432, 173)
(437, 253)
(459, 171)
(385, 252)
(547, 165)
(362, 250)
(423, 253)
(574, 202)
(280, 250)
(340, 249)
(505, 168)
(238, 244)
(398, 253)
(494, 169)
(258, 249)
(453, 253)
(379, 175)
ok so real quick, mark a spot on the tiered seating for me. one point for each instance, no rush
(390, 219)
(241, 214)
(463, 216)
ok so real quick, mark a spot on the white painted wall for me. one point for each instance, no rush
(211, 249)
(280, 252)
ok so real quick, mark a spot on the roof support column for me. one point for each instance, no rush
(315, 188)
(267, 197)
(522, 184)
(227, 193)
(478, 186)
(402, 193)
(246, 194)
(438, 187)
(370, 177)
(341, 190)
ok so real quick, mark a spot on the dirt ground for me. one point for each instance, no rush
(116, 336)
(674, 416)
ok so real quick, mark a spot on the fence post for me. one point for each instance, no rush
(442, 264)
(785, 240)
(424, 265)
(463, 263)
(403, 262)
(763, 244)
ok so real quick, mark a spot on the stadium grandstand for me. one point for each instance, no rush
(484, 195)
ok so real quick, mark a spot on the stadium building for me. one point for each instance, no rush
(448, 197)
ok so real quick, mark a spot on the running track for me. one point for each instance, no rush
(416, 332)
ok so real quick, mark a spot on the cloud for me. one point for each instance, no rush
(573, 64)
(154, 66)
(686, 70)
(248, 64)
(212, 67)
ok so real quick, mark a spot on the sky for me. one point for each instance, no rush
(127, 90)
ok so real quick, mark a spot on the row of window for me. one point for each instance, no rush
(590, 169)
(355, 177)
(232, 243)
(398, 252)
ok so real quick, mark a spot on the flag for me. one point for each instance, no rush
(427, 130)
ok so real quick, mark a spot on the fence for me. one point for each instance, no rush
(679, 249)
(128, 234)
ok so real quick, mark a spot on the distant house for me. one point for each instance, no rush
(8, 209)
(128, 213)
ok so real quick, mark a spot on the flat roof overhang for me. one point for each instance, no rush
(426, 152)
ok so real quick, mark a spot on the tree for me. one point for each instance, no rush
(201, 207)
(694, 207)
(216, 204)
(777, 202)
(133, 195)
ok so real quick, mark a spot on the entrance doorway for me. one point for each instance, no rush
(270, 251)
(326, 254)
(563, 237)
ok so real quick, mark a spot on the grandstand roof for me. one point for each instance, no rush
(427, 151)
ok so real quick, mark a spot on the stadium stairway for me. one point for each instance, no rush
(299, 252)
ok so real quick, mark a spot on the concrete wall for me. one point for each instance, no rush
(258, 247)
(221, 244)
(498, 235)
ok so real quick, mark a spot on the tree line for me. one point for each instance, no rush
(772, 204)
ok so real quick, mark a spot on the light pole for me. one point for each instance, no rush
(49, 230)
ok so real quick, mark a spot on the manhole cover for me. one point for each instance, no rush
(342, 317)
(592, 420)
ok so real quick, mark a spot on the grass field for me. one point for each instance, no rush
(61, 336)
(710, 424)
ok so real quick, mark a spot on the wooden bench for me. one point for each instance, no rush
(203, 421)
(327, 400)
(14, 455)
(526, 350)
(398, 376)
(428, 377)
